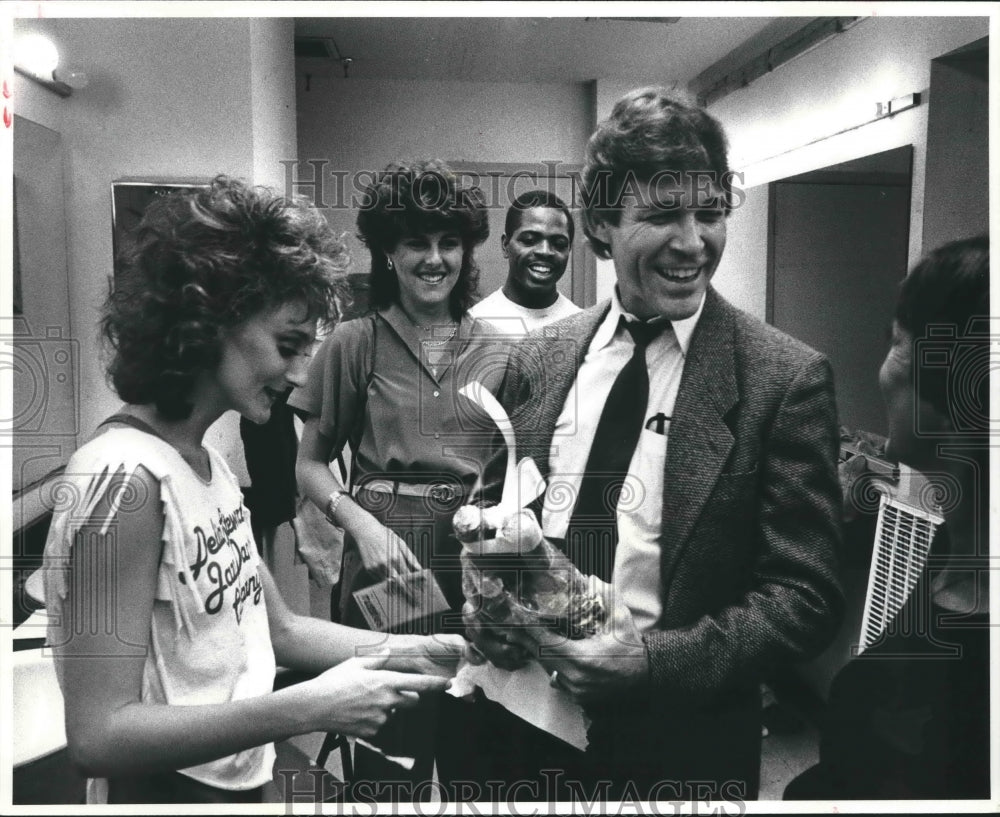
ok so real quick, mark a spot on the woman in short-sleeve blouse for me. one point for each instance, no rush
(388, 385)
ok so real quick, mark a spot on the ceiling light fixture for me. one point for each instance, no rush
(37, 58)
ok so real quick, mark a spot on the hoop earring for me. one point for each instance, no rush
(388, 264)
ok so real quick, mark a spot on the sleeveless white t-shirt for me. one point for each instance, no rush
(209, 639)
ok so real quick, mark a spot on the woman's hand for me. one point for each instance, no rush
(428, 654)
(382, 552)
(358, 696)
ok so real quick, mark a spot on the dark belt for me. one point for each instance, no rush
(443, 492)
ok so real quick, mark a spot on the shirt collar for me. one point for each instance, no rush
(683, 329)
(397, 319)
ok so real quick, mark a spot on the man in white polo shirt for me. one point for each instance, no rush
(537, 238)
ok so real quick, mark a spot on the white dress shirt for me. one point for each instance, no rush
(636, 575)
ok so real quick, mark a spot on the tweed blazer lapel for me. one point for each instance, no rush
(553, 377)
(700, 440)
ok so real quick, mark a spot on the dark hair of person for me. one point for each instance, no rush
(944, 304)
(530, 200)
(201, 263)
(414, 199)
(651, 131)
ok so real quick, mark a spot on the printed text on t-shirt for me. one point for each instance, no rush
(223, 574)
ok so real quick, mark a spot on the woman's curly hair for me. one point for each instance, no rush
(201, 263)
(421, 197)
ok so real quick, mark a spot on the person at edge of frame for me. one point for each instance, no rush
(909, 717)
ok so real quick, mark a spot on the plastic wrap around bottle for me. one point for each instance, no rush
(514, 577)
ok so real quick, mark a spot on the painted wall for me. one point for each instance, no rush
(817, 111)
(738, 276)
(225, 107)
(358, 126)
(957, 201)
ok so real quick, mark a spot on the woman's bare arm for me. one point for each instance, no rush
(382, 552)
(105, 635)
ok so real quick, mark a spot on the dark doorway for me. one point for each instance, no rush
(956, 185)
(837, 251)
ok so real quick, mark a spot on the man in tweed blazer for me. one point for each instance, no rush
(725, 566)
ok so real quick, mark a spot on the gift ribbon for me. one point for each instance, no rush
(523, 482)
(525, 692)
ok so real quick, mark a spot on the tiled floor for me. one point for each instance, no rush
(791, 735)
(784, 757)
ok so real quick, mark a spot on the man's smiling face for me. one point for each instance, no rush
(666, 246)
(537, 252)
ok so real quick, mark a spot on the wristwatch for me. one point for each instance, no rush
(331, 505)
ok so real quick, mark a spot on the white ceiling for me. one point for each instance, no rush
(514, 49)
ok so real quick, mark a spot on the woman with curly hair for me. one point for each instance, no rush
(387, 385)
(165, 625)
